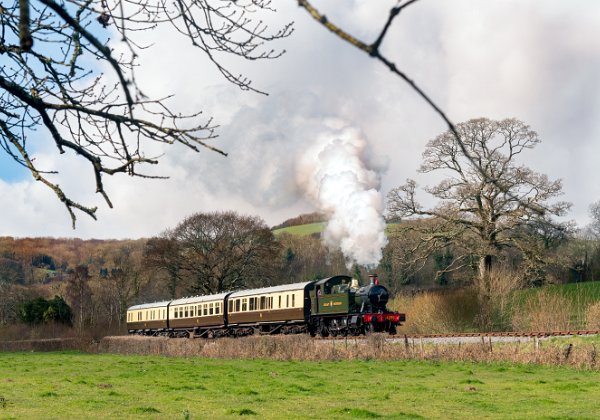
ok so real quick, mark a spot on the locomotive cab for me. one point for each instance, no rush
(332, 295)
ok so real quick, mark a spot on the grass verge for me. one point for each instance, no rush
(77, 385)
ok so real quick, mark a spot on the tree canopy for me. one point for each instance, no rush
(215, 252)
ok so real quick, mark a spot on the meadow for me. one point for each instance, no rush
(80, 385)
(302, 230)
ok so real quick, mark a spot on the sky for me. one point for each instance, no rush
(532, 60)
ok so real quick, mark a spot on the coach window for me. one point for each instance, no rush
(217, 308)
(230, 306)
(251, 304)
(263, 302)
(181, 312)
(211, 310)
(279, 306)
(244, 305)
(287, 301)
(293, 300)
(237, 305)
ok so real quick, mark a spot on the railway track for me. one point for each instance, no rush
(450, 338)
(506, 334)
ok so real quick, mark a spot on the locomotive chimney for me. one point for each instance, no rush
(374, 279)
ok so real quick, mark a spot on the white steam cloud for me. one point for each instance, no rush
(335, 173)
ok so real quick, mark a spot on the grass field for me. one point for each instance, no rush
(302, 230)
(77, 385)
(581, 294)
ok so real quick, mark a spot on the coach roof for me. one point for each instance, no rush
(149, 306)
(274, 289)
(198, 299)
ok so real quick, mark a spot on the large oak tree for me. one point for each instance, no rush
(486, 205)
(216, 252)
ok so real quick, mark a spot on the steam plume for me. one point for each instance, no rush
(336, 175)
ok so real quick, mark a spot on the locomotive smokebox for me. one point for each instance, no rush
(373, 297)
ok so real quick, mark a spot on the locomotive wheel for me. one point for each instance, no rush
(324, 332)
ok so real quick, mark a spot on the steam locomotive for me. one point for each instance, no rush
(328, 307)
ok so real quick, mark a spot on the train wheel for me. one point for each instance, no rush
(324, 331)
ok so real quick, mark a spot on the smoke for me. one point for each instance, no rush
(337, 175)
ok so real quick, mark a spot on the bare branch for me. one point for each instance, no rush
(48, 86)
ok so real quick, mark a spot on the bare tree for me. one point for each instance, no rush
(52, 85)
(594, 226)
(124, 282)
(476, 216)
(79, 295)
(161, 254)
(216, 252)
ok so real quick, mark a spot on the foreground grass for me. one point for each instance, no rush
(76, 385)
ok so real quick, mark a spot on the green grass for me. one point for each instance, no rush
(310, 228)
(581, 294)
(302, 230)
(74, 385)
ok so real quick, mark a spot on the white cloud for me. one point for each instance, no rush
(495, 58)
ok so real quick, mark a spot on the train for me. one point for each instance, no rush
(333, 306)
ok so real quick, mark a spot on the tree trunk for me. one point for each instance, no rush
(485, 266)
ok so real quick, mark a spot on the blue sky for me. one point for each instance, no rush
(10, 170)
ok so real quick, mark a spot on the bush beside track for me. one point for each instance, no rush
(580, 352)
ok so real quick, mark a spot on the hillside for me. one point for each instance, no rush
(34, 260)
(301, 230)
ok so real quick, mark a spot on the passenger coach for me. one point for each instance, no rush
(333, 306)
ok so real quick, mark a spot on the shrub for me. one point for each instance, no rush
(438, 312)
(40, 310)
(593, 316)
(544, 311)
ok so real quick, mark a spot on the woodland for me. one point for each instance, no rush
(99, 279)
